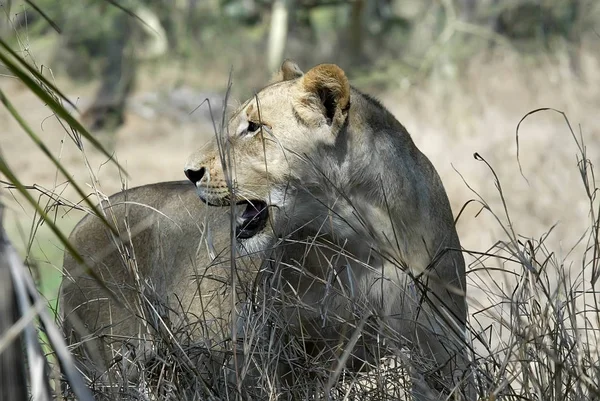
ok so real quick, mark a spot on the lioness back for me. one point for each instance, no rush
(172, 255)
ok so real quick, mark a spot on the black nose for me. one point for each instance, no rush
(194, 175)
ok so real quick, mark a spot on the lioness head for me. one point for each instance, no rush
(266, 160)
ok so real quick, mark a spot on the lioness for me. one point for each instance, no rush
(351, 222)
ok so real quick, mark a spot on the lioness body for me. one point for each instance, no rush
(173, 253)
(352, 221)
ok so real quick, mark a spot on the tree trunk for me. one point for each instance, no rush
(574, 38)
(356, 33)
(278, 33)
(118, 76)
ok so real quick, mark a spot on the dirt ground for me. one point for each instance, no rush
(449, 119)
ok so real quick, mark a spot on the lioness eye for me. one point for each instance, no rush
(252, 127)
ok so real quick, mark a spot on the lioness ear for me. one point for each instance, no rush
(289, 70)
(328, 86)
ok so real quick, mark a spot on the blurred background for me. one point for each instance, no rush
(459, 74)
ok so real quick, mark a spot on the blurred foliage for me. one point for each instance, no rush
(381, 27)
(101, 40)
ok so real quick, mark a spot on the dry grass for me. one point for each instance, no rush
(535, 336)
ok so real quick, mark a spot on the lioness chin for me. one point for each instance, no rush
(352, 224)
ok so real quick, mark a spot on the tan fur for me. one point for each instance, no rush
(174, 250)
(341, 174)
(360, 234)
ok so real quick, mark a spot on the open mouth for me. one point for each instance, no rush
(253, 219)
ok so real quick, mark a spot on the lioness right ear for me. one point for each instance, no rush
(329, 93)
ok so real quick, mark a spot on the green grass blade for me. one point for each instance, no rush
(6, 170)
(44, 16)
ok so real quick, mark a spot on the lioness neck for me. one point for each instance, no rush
(396, 210)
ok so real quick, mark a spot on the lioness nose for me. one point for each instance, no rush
(194, 175)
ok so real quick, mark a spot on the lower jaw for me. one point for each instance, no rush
(245, 234)
(258, 245)
(242, 234)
